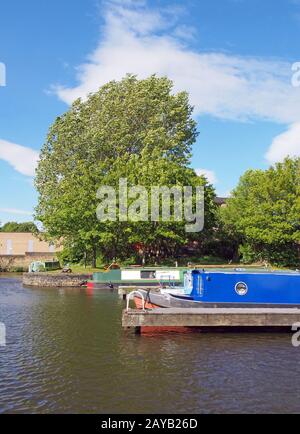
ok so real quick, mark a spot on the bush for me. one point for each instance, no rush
(283, 255)
(17, 270)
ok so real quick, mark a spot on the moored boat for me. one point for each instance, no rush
(231, 288)
(138, 276)
(172, 289)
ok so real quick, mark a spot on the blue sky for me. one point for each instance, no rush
(233, 56)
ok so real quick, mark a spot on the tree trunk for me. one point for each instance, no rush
(94, 258)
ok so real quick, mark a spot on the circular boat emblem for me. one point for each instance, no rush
(241, 288)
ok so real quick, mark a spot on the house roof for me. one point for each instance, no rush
(221, 200)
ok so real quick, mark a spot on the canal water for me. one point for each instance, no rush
(66, 352)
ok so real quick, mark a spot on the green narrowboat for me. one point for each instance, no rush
(138, 276)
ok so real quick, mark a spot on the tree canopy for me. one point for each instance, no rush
(19, 227)
(264, 214)
(134, 129)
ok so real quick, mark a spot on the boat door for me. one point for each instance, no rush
(188, 282)
(198, 288)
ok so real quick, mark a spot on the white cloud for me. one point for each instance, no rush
(286, 144)
(21, 158)
(142, 41)
(15, 211)
(209, 174)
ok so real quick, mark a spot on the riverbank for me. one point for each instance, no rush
(51, 280)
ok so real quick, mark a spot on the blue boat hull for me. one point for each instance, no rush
(246, 288)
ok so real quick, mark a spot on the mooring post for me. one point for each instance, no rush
(137, 330)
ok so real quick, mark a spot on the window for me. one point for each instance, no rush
(9, 247)
(30, 246)
(241, 288)
(148, 274)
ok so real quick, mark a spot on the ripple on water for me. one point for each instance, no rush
(66, 352)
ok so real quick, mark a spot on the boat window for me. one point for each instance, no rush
(241, 288)
(148, 274)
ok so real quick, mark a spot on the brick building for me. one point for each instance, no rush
(20, 249)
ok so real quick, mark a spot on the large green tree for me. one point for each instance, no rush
(264, 214)
(135, 129)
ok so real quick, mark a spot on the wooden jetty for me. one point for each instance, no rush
(211, 317)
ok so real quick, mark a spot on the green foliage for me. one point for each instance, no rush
(17, 270)
(134, 129)
(19, 227)
(264, 214)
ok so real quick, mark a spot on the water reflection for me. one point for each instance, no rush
(66, 352)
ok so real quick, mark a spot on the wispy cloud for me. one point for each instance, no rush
(286, 144)
(21, 158)
(138, 40)
(209, 175)
(15, 211)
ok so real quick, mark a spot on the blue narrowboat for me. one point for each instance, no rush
(246, 287)
(238, 287)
